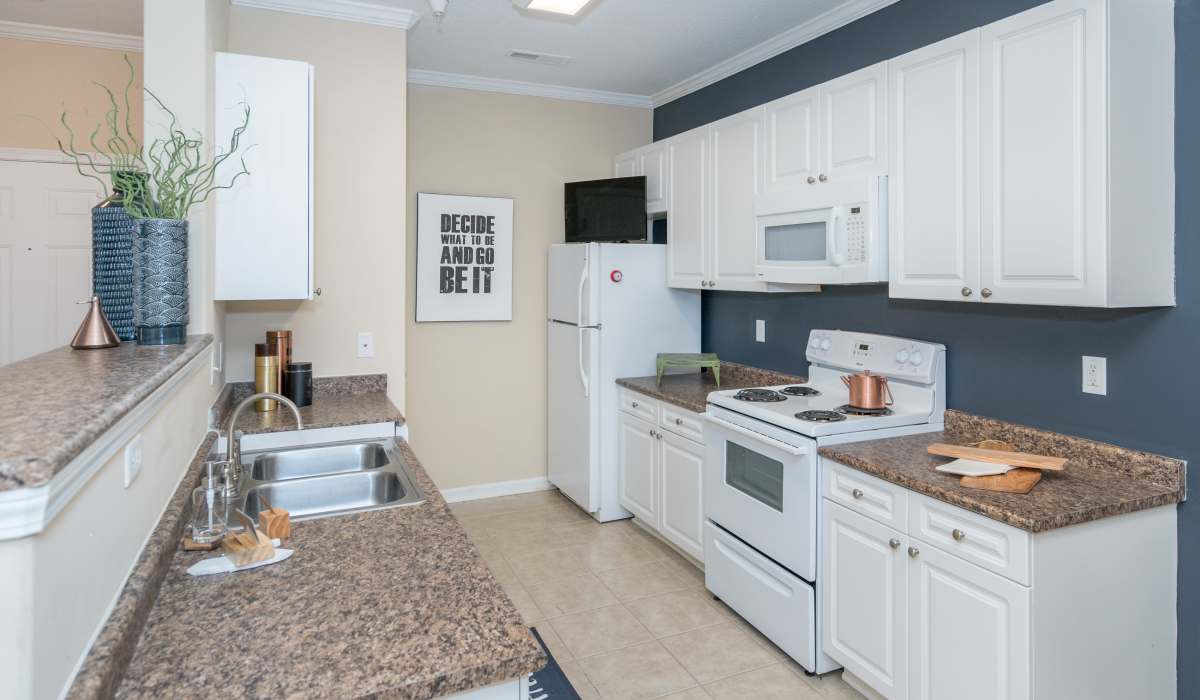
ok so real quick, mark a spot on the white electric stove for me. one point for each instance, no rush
(762, 474)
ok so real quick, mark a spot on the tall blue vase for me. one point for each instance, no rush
(160, 282)
(112, 264)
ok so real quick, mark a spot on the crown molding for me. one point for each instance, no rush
(71, 37)
(519, 87)
(824, 23)
(345, 10)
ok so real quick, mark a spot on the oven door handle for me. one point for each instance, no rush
(777, 444)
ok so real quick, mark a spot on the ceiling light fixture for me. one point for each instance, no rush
(562, 7)
(439, 9)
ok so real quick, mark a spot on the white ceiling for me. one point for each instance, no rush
(660, 48)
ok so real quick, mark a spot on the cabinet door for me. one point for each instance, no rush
(626, 164)
(934, 181)
(638, 454)
(1044, 157)
(790, 142)
(853, 140)
(687, 200)
(652, 162)
(735, 183)
(682, 468)
(864, 599)
(968, 630)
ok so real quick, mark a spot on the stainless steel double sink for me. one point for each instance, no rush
(318, 481)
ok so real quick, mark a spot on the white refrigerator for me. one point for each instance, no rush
(610, 313)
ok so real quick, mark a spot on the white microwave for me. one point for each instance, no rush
(836, 234)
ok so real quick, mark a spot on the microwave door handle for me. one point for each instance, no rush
(777, 444)
(838, 258)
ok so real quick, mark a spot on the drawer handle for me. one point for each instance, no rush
(894, 543)
(958, 535)
(678, 421)
(634, 404)
(811, 180)
(913, 552)
(857, 493)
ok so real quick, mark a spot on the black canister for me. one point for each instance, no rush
(297, 383)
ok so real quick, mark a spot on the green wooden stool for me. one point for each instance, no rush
(688, 359)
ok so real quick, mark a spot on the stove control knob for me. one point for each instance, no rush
(916, 359)
(814, 343)
(902, 356)
(826, 344)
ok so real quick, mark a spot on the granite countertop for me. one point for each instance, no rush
(337, 402)
(55, 404)
(690, 389)
(394, 602)
(1100, 480)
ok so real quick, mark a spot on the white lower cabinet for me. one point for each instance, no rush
(661, 469)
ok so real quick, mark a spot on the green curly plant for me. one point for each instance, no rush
(120, 157)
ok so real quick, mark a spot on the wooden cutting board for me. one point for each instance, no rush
(1016, 459)
(1015, 481)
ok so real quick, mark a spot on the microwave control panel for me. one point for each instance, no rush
(856, 235)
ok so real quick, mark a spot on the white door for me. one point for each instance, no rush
(45, 255)
(934, 180)
(968, 630)
(682, 469)
(736, 177)
(626, 165)
(637, 448)
(687, 226)
(1044, 156)
(652, 162)
(790, 142)
(864, 599)
(573, 424)
(853, 121)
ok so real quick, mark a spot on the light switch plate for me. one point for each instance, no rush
(1095, 375)
(366, 344)
(760, 331)
(133, 459)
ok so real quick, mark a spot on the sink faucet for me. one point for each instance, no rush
(233, 447)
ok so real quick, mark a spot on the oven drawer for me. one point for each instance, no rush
(779, 604)
(639, 405)
(993, 545)
(682, 422)
(863, 493)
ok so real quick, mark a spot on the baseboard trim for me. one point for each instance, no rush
(496, 488)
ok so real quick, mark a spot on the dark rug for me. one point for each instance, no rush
(550, 683)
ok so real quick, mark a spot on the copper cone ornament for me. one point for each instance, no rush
(95, 331)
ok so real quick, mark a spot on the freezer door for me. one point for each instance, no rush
(570, 284)
(573, 405)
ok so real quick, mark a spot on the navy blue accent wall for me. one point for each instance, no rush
(1019, 363)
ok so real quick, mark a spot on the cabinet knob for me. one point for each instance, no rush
(703, 283)
(634, 404)
(958, 535)
(966, 291)
(894, 543)
(712, 283)
(985, 292)
(812, 180)
(652, 432)
(822, 177)
(857, 493)
(913, 552)
(678, 421)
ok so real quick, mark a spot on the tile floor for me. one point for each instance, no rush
(625, 615)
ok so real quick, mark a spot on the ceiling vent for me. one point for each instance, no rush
(548, 59)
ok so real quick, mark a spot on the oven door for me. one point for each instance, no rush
(762, 488)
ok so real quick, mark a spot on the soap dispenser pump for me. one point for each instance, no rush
(95, 332)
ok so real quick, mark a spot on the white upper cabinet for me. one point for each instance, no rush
(1075, 164)
(790, 142)
(687, 206)
(626, 165)
(650, 161)
(263, 244)
(735, 184)
(933, 185)
(853, 124)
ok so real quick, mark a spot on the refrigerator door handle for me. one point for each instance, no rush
(583, 278)
(583, 378)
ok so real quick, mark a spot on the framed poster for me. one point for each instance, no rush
(464, 258)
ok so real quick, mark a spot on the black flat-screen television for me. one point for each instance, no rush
(606, 210)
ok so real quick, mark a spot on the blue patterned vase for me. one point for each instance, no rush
(160, 282)
(112, 264)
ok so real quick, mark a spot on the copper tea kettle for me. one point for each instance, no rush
(868, 390)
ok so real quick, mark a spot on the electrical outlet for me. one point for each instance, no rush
(366, 344)
(760, 331)
(133, 459)
(1095, 375)
(218, 357)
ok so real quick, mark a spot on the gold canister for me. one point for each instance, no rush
(266, 376)
(279, 344)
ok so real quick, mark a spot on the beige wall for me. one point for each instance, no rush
(359, 208)
(477, 391)
(38, 78)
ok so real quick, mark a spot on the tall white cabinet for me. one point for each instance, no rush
(650, 161)
(1033, 161)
